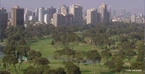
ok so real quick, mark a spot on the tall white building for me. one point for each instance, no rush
(76, 10)
(91, 16)
(133, 18)
(41, 15)
(25, 17)
(64, 9)
(31, 18)
(46, 19)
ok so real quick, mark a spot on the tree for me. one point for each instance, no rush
(118, 62)
(14, 61)
(106, 54)
(60, 70)
(68, 53)
(32, 55)
(30, 70)
(78, 57)
(140, 56)
(72, 68)
(42, 62)
(6, 60)
(57, 55)
(138, 65)
(126, 45)
(71, 38)
(110, 64)
(50, 71)
(129, 54)
(52, 43)
(4, 72)
(94, 56)
(21, 52)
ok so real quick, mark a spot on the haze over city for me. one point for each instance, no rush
(134, 6)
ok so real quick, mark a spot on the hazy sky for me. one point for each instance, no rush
(134, 6)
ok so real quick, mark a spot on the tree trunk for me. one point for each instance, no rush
(55, 46)
(6, 66)
(67, 58)
(109, 68)
(37, 67)
(58, 62)
(94, 68)
(100, 67)
(78, 64)
(1, 38)
(20, 66)
(15, 68)
(30, 63)
(83, 44)
(123, 71)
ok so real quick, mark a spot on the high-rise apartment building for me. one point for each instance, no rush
(58, 19)
(3, 21)
(91, 16)
(17, 17)
(46, 19)
(25, 17)
(110, 13)
(3, 18)
(76, 10)
(51, 12)
(41, 15)
(133, 18)
(64, 9)
(104, 13)
(9, 15)
(36, 14)
(58, 10)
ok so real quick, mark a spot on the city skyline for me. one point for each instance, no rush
(134, 6)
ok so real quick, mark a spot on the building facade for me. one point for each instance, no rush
(64, 9)
(104, 14)
(58, 19)
(91, 16)
(3, 21)
(46, 19)
(51, 12)
(17, 16)
(76, 10)
(41, 15)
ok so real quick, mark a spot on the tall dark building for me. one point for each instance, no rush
(17, 16)
(104, 13)
(3, 21)
(51, 12)
(77, 11)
